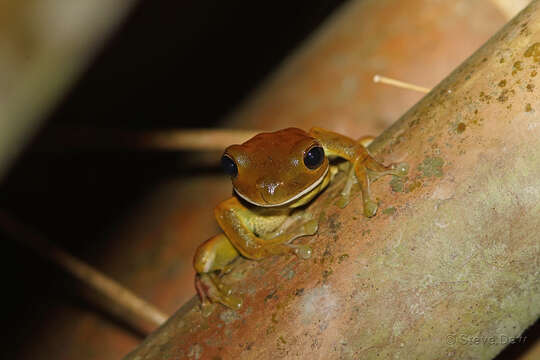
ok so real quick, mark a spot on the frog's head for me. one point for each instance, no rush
(277, 168)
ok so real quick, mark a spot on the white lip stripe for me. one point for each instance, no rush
(302, 193)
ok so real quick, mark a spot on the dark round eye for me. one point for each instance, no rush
(229, 166)
(314, 157)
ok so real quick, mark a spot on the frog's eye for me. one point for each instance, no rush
(314, 157)
(229, 166)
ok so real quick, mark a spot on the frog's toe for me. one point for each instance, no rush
(212, 290)
(370, 208)
(224, 289)
(302, 251)
(343, 201)
(207, 308)
(311, 227)
(305, 252)
(231, 301)
(228, 300)
(401, 169)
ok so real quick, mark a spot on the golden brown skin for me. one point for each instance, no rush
(272, 180)
(271, 169)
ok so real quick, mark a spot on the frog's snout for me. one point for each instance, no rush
(269, 189)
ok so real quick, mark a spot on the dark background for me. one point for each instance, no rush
(172, 64)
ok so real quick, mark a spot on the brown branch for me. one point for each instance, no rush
(510, 8)
(449, 266)
(165, 140)
(119, 296)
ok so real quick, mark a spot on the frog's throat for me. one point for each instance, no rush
(288, 201)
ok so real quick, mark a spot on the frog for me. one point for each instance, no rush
(274, 176)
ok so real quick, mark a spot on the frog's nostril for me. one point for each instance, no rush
(272, 187)
(268, 188)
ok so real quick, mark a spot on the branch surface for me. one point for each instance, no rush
(449, 268)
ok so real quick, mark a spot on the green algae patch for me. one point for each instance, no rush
(342, 258)
(485, 97)
(534, 52)
(432, 166)
(389, 211)
(229, 316)
(402, 184)
(505, 95)
(326, 274)
(398, 183)
(518, 66)
(413, 186)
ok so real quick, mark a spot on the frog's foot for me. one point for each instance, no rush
(207, 307)
(376, 170)
(371, 170)
(358, 174)
(308, 228)
(364, 173)
(302, 251)
(212, 290)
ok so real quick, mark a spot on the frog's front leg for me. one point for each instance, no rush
(219, 251)
(364, 169)
(232, 218)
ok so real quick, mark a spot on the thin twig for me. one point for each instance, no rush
(168, 140)
(400, 84)
(119, 295)
(510, 8)
(199, 139)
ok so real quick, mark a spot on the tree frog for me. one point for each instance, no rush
(273, 174)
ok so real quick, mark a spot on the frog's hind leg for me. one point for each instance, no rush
(209, 288)
(212, 256)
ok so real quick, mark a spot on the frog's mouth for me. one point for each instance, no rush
(288, 201)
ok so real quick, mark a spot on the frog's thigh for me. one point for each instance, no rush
(214, 254)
